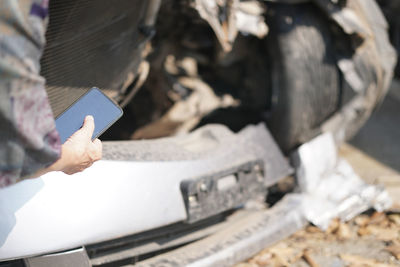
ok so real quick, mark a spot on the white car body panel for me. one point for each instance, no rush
(58, 211)
(117, 198)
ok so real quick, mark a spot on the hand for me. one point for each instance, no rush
(78, 152)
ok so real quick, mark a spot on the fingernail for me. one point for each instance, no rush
(89, 117)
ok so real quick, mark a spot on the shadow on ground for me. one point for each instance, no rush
(380, 137)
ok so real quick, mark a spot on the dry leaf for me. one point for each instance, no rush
(394, 250)
(333, 226)
(282, 254)
(395, 218)
(296, 257)
(309, 259)
(362, 231)
(280, 261)
(384, 234)
(362, 220)
(358, 261)
(263, 259)
(343, 232)
(313, 229)
(378, 218)
(246, 265)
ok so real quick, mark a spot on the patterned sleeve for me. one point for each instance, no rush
(28, 138)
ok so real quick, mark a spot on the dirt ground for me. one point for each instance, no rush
(371, 239)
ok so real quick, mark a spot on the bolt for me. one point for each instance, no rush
(203, 187)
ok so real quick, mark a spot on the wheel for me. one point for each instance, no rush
(305, 81)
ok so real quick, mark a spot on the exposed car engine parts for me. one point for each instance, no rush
(319, 69)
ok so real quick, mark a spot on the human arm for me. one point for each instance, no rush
(29, 142)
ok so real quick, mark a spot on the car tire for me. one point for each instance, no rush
(305, 84)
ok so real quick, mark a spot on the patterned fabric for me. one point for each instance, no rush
(28, 138)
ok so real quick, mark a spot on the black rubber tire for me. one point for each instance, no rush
(306, 85)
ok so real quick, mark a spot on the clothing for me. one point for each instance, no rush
(28, 137)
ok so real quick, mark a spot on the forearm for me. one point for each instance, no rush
(59, 165)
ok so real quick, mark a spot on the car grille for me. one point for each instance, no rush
(90, 43)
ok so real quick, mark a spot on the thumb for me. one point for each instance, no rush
(88, 126)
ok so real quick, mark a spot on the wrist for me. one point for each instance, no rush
(61, 163)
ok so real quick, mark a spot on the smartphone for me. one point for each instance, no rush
(104, 111)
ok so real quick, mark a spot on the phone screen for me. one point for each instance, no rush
(104, 111)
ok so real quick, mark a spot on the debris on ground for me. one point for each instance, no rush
(370, 239)
(329, 186)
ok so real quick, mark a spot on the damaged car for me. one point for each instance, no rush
(217, 96)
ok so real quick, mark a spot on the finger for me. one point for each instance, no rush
(98, 146)
(88, 126)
